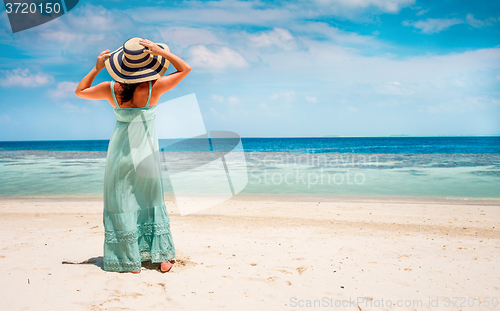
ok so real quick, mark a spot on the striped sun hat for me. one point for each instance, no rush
(129, 64)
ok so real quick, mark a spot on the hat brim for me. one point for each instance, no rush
(155, 67)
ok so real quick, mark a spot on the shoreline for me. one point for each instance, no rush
(285, 198)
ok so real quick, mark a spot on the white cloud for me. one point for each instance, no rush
(218, 98)
(433, 25)
(332, 33)
(224, 12)
(483, 101)
(263, 106)
(233, 100)
(215, 112)
(465, 104)
(23, 77)
(388, 6)
(459, 82)
(231, 12)
(359, 9)
(311, 99)
(348, 73)
(476, 23)
(186, 36)
(63, 36)
(420, 72)
(88, 23)
(394, 88)
(422, 12)
(352, 109)
(265, 110)
(64, 89)
(87, 31)
(278, 37)
(287, 96)
(220, 58)
(75, 108)
(387, 103)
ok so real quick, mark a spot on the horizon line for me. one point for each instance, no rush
(326, 136)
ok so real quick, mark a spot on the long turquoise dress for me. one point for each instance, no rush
(136, 223)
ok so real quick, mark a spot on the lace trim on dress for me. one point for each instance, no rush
(132, 236)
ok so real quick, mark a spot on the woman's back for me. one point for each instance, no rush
(139, 98)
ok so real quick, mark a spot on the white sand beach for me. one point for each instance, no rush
(260, 253)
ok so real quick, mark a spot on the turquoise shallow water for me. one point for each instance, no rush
(449, 175)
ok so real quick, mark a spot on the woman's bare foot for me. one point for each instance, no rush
(166, 266)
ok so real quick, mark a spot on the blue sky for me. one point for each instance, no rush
(269, 68)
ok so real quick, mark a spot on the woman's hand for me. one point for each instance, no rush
(153, 48)
(100, 60)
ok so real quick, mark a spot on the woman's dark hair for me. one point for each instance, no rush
(128, 90)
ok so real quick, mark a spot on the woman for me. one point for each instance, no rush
(136, 223)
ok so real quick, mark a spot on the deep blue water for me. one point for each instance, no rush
(385, 145)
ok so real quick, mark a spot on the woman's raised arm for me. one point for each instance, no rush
(166, 83)
(100, 91)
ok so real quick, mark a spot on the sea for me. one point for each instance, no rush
(454, 168)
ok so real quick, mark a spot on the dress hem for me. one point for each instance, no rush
(116, 265)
